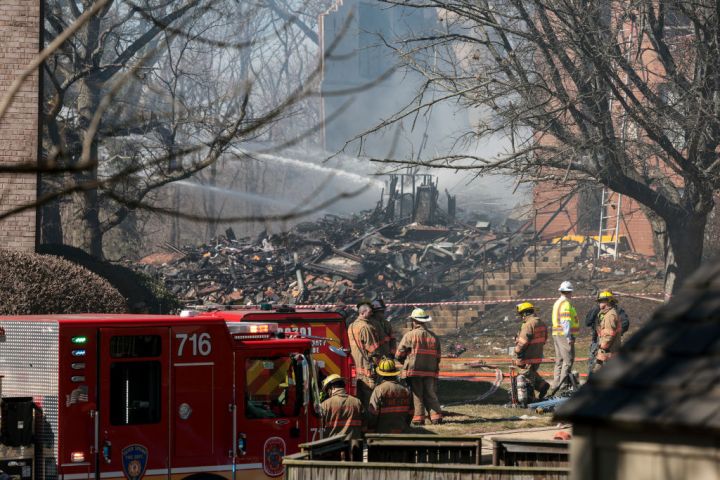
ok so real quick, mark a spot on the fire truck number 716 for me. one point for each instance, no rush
(200, 343)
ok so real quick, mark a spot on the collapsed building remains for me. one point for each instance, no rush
(408, 249)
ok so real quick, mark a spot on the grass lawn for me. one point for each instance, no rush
(465, 417)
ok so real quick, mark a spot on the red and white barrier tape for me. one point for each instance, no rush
(643, 296)
(498, 375)
(482, 376)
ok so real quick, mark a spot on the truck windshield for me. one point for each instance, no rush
(273, 387)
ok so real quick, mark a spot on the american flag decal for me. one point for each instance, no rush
(80, 394)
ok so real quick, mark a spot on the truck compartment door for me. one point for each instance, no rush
(134, 373)
(193, 413)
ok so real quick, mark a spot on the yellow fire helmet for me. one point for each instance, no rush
(387, 368)
(330, 379)
(606, 296)
(420, 315)
(524, 307)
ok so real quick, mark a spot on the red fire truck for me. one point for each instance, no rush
(148, 396)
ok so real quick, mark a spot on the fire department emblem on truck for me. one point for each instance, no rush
(134, 461)
(274, 451)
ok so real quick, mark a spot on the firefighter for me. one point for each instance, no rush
(364, 344)
(390, 403)
(419, 351)
(388, 344)
(591, 319)
(528, 355)
(609, 329)
(565, 328)
(342, 414)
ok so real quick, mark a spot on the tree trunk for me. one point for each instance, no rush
(50, 224)
(90, 221)
(711, 248)
(210, 204)
(49, 217)
(89, 93)
(683, 250)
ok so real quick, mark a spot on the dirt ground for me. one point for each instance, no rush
(494, 332)
(480, 419)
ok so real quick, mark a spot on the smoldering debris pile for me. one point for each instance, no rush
(38, 284)
(332, 260)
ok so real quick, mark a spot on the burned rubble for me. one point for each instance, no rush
(330, 261)
(340, 260)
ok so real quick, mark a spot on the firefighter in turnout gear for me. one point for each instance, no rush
(528, 353)
(565, 328)
(364, 345)
(342, 414)
(591, 320)
(419, 351)
(390, 403)
(609, 329)
(388, 344)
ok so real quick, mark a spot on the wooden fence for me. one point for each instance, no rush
(409, 457)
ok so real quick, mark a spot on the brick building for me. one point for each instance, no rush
(588, 211)
(561, 215)
(19, 43)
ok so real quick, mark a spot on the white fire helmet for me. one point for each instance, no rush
(565, 287)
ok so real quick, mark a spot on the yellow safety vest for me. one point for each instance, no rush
(564, 311)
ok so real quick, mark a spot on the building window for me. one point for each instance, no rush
(588, 210)
(134, 346)
(273, 387)
(135, 392)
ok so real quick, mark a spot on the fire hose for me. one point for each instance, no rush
(493, 388)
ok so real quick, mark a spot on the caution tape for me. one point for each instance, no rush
(476, 362)
(478, 376)
(498, 376)
(643, 296)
